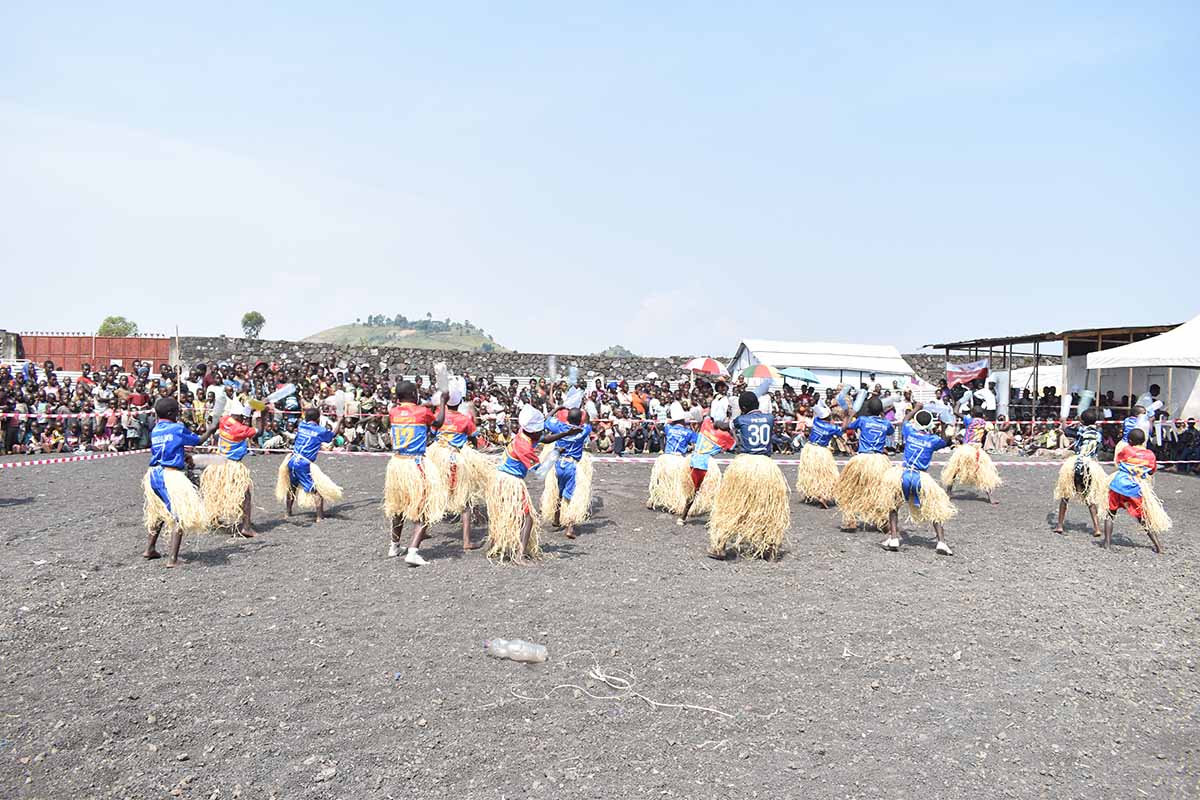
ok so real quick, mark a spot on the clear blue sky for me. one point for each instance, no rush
(670, 178)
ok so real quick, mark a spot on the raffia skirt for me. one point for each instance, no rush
(223, 488)
(750, 513)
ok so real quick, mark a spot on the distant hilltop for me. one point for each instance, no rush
(419, 334)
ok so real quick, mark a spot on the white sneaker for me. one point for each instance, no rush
(679, 522)
(394, 550)
(943, 549)
(413, 559)
(892, 545)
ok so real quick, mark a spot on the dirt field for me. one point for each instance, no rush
(305, 664)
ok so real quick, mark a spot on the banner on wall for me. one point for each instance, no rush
(965, 373)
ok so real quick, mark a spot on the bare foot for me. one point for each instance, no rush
(1059, 531)
(994, 502)
(172, 563)
(151, 554)
(570, 534)
(1096, 534)
(472, 545)
(247, 533)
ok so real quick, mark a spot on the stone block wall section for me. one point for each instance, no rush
(408, 361)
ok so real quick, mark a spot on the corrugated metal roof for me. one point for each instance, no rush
(1052, 336)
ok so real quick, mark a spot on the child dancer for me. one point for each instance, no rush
(817, 475)
(466, 471)
(970, 465)
(668, 477)
(413, 489)
(750, 514)
(169, 498)
(911, 483)
(1081, 477)
(700, 481)
(512, 533)
(862, 492)
(225, 487)
(300, 479)
(1130, 488)
(572, 480)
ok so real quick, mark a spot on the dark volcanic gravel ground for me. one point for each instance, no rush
(306, 664)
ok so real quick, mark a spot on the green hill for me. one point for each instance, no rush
(457, 337)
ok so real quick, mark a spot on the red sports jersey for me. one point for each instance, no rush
(235, 431)
(457, 429)
(410, 428)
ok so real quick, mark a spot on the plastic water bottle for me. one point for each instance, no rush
(516, 650)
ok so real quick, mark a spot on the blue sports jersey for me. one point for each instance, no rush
(919, 447)
(1130, 423)
(823, 432)
(309, 438)
(680, 439)
(873, 433)
(167, 441)
(569, 446)
(754, 432)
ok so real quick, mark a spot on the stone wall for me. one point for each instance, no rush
(407, 361)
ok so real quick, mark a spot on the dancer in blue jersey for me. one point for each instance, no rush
(861, 492)
(169, 498)
(911, 483)
(572, 479)
(750, 515)
(1081, 477)
(300, 480)
(669, 477)
(817, 475)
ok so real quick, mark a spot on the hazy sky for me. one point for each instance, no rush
(670, 177)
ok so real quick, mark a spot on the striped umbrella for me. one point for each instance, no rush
(761, 371)
(707, 366)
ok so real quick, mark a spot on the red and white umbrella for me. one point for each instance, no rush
(707, 366)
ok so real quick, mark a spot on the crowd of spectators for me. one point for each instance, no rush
(109, 409)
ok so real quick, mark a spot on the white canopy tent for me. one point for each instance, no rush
(832, 362)
(1171, 358)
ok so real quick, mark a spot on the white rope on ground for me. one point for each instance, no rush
(622, 686)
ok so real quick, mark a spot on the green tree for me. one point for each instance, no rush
(117, 326)
(252, 324)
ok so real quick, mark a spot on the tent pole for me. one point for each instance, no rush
(1099, 372)
(1037, 386)
(1170, 380)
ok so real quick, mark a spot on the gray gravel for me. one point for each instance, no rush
(305, 664)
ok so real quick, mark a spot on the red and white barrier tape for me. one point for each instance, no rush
(783, 462)
(41, 462)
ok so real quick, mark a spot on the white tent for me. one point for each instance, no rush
(833, 363)
(1171, 359)
(1179, 347)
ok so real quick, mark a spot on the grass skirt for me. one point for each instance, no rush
(323, 487)
(472, 473)
(507, 499)
(670, 483)
(750, 513)
(817, 476)
(935, 503)
(223, 489)
(185, 501)
(970, 466)
(1095, 482)
(414, 492)
(1154, 516)
(575, 511)
(862, 492)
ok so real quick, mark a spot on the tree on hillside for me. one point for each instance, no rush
(117, 326)
(617, 351)
(252, 324)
